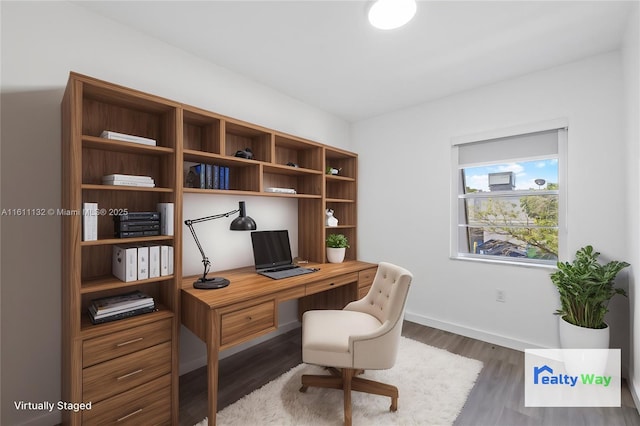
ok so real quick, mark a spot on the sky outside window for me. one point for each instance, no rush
(526, 173)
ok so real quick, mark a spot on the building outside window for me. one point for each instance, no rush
(509, 198)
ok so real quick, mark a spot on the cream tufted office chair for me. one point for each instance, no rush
(362, 336)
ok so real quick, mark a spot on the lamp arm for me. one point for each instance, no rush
(215, 216)
(190, 222)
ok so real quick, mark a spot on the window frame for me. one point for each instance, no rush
(458, 238)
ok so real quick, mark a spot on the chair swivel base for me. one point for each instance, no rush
(347, 381)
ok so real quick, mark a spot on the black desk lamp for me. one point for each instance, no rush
(240, 223)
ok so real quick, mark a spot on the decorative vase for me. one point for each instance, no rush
(335, 255)
(575, 337)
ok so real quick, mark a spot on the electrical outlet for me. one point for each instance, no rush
(500, 296)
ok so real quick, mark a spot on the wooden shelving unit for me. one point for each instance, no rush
(89, 107)
(186, 136)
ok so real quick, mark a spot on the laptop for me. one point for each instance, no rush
(272, 255)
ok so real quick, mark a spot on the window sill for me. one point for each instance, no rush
(533, 265)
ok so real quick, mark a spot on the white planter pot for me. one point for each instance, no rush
(574, 337)
(335, 255)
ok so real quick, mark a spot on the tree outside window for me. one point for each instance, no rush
(511, 210)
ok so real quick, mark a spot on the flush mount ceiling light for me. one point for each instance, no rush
(390, 14)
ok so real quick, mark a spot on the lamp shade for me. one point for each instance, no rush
(243, 222)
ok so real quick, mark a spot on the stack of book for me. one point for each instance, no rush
(113, 308)
(107, 134)
(136, 224)
(208, 176)
(128, 180)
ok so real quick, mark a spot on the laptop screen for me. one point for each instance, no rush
(271, 248)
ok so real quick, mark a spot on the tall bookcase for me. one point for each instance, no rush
(128, 368)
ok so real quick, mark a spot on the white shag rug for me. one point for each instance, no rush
(433, 386)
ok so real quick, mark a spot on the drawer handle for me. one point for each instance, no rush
(332, 284)
(128, 342)
(139, 410)
(133, 373)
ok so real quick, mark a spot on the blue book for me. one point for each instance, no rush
(209, 176)
(221, 177)
(226, 178)
(203, 175)
(216, 177)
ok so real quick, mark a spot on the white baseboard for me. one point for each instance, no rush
(202, 361)
(634, 389)
(473, 333)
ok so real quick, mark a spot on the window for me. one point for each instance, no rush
(509, 197)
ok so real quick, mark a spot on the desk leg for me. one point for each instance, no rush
(212, 366)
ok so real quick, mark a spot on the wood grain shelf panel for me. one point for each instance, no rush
(110, 283)
(109, 241)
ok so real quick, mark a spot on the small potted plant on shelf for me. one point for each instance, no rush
(337, 244)
(585, 287)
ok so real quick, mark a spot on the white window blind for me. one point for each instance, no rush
(512, 148)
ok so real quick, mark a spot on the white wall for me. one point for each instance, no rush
(41, 43)
(404, 159)
(631, 71)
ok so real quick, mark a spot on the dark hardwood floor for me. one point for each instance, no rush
(496, 399)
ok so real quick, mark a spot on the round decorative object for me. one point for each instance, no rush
(335, 255)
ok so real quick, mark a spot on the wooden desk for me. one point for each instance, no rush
(248, 307)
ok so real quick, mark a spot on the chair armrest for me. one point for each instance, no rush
(376, 350)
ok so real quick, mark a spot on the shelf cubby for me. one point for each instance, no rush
(109, 108)
(344, 212)
(239, 136)
(303, 183)
(202, 131)
(304, 154)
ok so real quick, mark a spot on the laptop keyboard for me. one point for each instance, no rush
(287, 273)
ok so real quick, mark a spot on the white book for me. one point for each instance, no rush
(166, 218)
(143, 262)
(164, 261)
(136, 178)
(107, 134)
(170, 260)
(124, 263)
(89, 221)
(129, 183)
(154, 261)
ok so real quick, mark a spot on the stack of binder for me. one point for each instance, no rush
(113, 308)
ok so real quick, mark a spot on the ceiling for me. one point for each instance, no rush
(324, 53)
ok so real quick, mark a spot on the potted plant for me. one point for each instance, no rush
(585, 287)
(337, 244)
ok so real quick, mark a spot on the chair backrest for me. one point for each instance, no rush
(386, 301)
(388, 294)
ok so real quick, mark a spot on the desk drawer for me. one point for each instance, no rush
(121, 374)
(148, 404)
(365, 278)
(104, 348)
(330, 283)
(242, 324)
